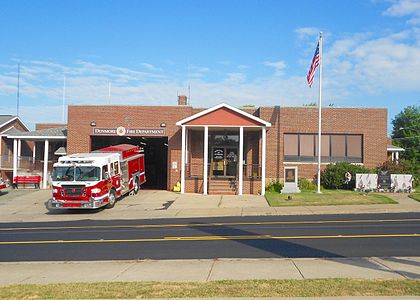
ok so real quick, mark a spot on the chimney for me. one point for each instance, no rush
(182, 100)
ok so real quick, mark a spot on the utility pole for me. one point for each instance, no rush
(18, 91)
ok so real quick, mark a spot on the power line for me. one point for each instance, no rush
(18, 91)
(407, 137)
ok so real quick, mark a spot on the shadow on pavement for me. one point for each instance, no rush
(286, 249)
(76, 211)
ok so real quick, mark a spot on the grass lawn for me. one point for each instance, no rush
(415, 196)
(228, 288)
(328, 197)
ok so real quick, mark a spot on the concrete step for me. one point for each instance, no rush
(222, 192)
(225, 185)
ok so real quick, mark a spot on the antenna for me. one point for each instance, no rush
(18, 91)
(64, 98)
(189, 95)
(109, 92)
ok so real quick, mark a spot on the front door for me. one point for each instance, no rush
(225, 161)
(231, 161)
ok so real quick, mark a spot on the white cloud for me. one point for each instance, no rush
(304, 32)
(235, 77)
(355, 66)
(278, 65)
(375, 66)
(403, 8)
(149, 66)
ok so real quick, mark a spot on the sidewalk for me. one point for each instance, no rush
(18, 206)
(204, 270)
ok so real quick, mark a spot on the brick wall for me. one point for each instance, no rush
(40, 126)
(26, 149)
(370, 122)
(80, 130)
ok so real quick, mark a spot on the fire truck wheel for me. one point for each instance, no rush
(112, 198)
(136, 185)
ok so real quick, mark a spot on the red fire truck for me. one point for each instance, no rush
(2, 184)
(96, 179)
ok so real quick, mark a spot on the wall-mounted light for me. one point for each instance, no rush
(162, 124)
(93, 123)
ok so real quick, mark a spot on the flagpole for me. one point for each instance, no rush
(64, 100)
(319, 115)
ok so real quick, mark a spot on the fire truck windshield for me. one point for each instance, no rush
(76, 173)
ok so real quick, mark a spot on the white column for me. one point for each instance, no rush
(187, 133)
(241, 160)
(45, 172)
(206, 158)
(1, 142)
(19, 151)
(397, 156)
(263, 154)
(392, 156)
(15, 152)
(34, 152)
(183, 160)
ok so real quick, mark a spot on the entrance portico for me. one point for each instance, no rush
(51, 140)
(233, 151)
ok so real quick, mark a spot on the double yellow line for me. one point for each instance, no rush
(205, 224)
(211, 238)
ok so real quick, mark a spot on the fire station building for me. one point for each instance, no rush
(226, 150)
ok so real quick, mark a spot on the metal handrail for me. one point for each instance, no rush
(196, 170)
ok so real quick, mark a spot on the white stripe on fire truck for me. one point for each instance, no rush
(100, 197)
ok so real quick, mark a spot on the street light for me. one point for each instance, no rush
(409, 128)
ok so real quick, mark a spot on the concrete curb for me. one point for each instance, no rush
(152, 204)
(204, 270)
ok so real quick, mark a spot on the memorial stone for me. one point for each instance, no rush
(290, 180)
(384, 180)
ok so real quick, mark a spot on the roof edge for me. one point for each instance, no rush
(211, 109)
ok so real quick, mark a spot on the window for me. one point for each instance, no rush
(7, 152)
(354, 148)
(77, 173)
(291, 147)
(334, 147)
(325, 148)
(306, 147)
(104, 169)
(338, 147)
(111, 169)
(116, 171)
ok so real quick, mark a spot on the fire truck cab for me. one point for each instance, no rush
(93, 180)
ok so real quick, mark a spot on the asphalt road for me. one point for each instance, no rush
(229, 237)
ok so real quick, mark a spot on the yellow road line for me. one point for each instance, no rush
(212, 238)
(206, 224)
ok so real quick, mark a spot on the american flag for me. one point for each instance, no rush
(314, 65)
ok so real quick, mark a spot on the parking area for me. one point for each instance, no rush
(28, 205)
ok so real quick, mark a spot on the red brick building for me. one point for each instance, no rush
(243, 149)
(11, 125)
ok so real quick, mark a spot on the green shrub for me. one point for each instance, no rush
(391, 167)
(333, 176)
(305, 184)
(274, 186)
(413, 168)
(403, 167)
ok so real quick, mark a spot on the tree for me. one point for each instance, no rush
(310, 104)
(406, 134)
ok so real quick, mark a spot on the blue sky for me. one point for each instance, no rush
(238, 52)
